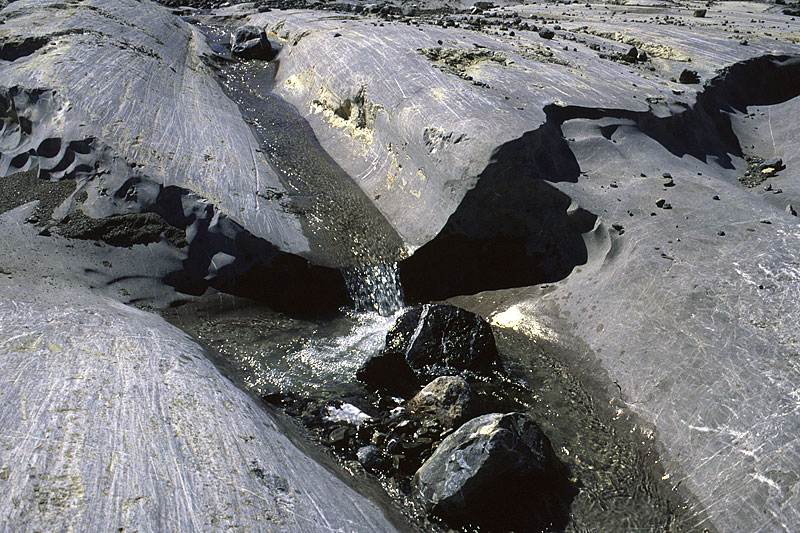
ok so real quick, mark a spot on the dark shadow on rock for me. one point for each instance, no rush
(11, 50)
(704, 130)
(513, 229)
(225, 256)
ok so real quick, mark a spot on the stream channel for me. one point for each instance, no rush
(311, 362)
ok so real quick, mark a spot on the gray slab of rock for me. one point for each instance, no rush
(141, 106)
(113, 419)
(251, 42)
(491, 467)
(447, 400)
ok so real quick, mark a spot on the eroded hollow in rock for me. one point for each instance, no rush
(13, 50)
(513, 229)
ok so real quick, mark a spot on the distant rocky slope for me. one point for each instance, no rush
(618, 182)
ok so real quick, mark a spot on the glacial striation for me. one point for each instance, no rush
(616, 182)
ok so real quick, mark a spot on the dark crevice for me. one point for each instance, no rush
(704, 130)
(257, 270)
(13, 50)
(515, 229)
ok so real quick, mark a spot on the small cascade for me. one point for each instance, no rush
(375, 288)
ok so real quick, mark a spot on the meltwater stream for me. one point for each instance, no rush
(375, 288)
(271, 354)
(615, 464)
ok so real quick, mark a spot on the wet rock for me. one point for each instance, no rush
(372, 458)
(427, 341)
(250, 42)
(493, 471)
(444, 336)
(448, 400)
(340, 437)
(689, 76)
(389, 373)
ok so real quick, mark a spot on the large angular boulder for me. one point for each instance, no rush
(251, 42)
(497, 470)
(447, 400)
(427, 341)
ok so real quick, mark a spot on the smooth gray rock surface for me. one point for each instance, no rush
(121, 83)
(113, 418)
(695, 327)
(505, 164)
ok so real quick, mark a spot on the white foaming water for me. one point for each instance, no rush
(375, 288)
(333, 359)
(320, 358)
(347, 413)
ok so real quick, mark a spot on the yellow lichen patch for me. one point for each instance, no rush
(438, 94)
(354, 114)
(660, 50)
(394, 169)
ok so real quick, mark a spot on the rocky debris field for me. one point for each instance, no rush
(589, 208)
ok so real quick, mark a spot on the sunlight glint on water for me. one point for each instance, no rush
(375, 288)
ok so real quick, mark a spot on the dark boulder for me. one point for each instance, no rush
(389, 373)
(435, 337)
(371, 458)
(428, 341)
(447, 400)
(775, 163)
(689, 76)
(250, 42)
(546, 33)
(497, 471)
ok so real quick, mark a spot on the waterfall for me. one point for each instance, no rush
(375, 288)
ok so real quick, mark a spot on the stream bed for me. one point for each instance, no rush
(307, 366)
(613, 463)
